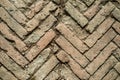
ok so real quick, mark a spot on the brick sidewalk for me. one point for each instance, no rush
(60, 40)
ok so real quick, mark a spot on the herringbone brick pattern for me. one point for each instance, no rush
(59, 39)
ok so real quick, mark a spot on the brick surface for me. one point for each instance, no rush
(59, 40)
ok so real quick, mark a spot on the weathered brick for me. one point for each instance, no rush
(6, 75)
(116, 26)
(88, 2)
(94, 51)
(72, 38)
(20, 17)
(12, 66)
(37, 34)
(34, 8)
(77, 69)
(31, 68)
(116, 14)
(93, 9)
(4, 44)
(77, 16)
(100, 59)
(34, 22)
(116, 53)
(92, 39)
(111, 75)
(117, 67)
(19, 30)
(19, 44)
(104, 69)
(46, 68)
(40, 45)
(78, 5)
(117, 40)
(118, 78)
(64, 44)
(100, 17)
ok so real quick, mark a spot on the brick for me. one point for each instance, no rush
(79, 5)
(100, 59)
(18, 43)
(88, 2)
(94, 51)
(116, 53)
(4, 44)
(19, 30)
(78, 16)
(116, 26)
(117, 67)
(116, 14)
(72, 38)
(104, 69)
(18, 3)
(64, 44)
(100, 17)
(12, 66)
(39, 61)
(40, 45)
(37, 34)
(92, 39)
(6, 75)
(19, 16)
(117, 40)
(36, 7)
(52, 76)
(111, 75)
(93, 10)
(68, 74)
(34, 22)
(46, 68)
(76, 68)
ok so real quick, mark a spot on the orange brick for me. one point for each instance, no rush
(72, 38)
(94, 51)
(64, 44)
(41, 44)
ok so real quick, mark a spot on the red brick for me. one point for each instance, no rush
(4, 44)
(94, 51)
(41, 44)
(100, 59)
(72, 38)
(64, 44)
(92, 39)
(19, 44)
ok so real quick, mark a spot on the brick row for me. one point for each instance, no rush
(100, 17)
(16, 27)
(4, 44)
(65, 45)
(94, 51)
(40, 45)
